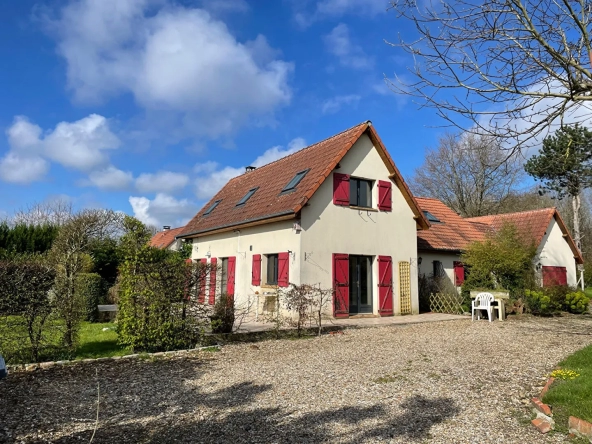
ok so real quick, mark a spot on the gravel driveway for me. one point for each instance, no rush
(450, 382)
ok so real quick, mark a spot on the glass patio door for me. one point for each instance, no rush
(360, 284)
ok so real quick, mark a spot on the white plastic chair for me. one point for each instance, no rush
(482, 302)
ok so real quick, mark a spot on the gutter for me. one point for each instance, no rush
(236, 224)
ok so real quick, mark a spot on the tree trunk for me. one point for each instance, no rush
(576, 204)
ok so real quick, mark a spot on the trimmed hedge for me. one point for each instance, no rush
(89, 286)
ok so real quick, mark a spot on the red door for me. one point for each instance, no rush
(341, 285)
(385, 286)
(554, 276)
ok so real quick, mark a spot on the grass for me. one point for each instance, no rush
(573, 397)
(96, 343)
(93, 342)
(588, 292)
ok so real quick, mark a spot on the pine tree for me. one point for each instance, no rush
(564, 166)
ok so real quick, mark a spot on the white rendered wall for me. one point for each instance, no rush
(271, 238)
(554, 251)
(328, 228)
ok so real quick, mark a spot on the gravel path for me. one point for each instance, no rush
(445, 382)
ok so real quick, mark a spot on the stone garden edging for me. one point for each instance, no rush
(50, 364)
(544, 421)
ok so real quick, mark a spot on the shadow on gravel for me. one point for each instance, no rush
(164, 402)
(275, 425)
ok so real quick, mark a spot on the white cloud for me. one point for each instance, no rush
(162, 182)
(333, 105)
(81, 145)
(173, 59)
(339, 44)
(22, 170)
(211, 177)
(276, 152)
(162, 210)
(208, 184)
(110, 179)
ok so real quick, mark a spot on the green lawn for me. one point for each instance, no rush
(573, 397)
(96, 343)
(93, 342)
(588, 292)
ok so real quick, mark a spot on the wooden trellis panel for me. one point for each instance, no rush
(446, 303)
(405, 287)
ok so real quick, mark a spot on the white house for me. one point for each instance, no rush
(440, 247)
(336, 213)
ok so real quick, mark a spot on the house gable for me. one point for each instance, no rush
(270, 202)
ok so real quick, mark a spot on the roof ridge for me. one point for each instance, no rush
(430, 198)
(538, 210)
(367, 122)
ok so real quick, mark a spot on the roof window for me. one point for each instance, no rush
(430, 217)
(295, 181)
(247, 197)
(212, 207)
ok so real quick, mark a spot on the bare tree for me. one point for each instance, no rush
(53, 212)
(512, 68)
(470, 173)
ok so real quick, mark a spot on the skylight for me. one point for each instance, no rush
(431, 217)
(247, 197)
(295, 181)
(212, 207)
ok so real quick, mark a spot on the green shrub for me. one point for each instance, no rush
(89, 287)
(537, 302)
(577, 302)
(222, 320)
(557, 294)
(502, 261)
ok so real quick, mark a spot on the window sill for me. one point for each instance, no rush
(353, 207)
(269, 286)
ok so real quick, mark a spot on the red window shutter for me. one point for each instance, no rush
(341, 189)
(341, 285)
(459, 273)
(213, 271)
(202, 281)
(385, 195)
(283, 269)
(385, 286)
(231, 275)
(256, 273)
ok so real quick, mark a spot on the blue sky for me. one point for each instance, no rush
(149, 106)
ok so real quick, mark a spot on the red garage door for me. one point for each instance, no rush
(554, 276)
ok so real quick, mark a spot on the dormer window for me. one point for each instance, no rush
(291, 186)
(430, 217)
(246, 197)
(212, 207)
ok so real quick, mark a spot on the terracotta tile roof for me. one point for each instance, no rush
(532, 224)
(452, 233)
(268, 204)
(163, 239)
